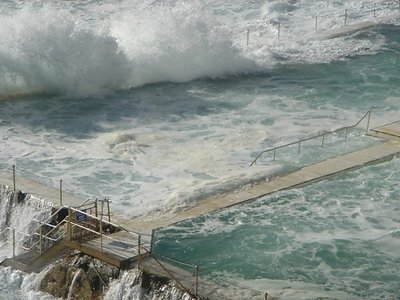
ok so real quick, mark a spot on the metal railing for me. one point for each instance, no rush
(80, 226)
(318, 136)
(364, 12)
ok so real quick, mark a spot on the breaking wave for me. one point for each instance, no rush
(54, 49)
(87, 47)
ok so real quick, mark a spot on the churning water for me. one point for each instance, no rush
(156, 103)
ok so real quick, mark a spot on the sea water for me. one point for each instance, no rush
(155, 104)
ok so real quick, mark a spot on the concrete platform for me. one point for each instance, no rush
(306, 175)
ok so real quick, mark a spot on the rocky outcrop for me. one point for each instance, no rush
(78, 277)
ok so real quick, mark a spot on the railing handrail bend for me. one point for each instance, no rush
(368, 113)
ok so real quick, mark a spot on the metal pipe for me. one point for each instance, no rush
(323, 140)
(274, 154)
(101, 226)
(298, 150)
(248, 36)
(316, 23)
(95, 208)
(345, 135)
(139, 254)
(61, 200)
(369, 118)
(345, 17)
(108, 209)
(69, 225)
(152, 240)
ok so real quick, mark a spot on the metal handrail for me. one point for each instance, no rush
(41, 223)
(323, 134)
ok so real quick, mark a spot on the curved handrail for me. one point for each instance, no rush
(368, 113)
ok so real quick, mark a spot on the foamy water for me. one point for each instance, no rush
(155, 104)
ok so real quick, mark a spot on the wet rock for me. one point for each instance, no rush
(78, 277)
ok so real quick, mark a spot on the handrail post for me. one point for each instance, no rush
(374, 9)
(69, 227)
(323, 141)
(248, 36)
(345, 17)
(61, 200)
(197, 281)
(13, 244)
(139, 254)
(369, 118)
(345, 135)
(152, 240)
(274, 154)
(298, 150)
(316, 23)
(108, 210)
(101, 226)
(14, 178)
(95, 208)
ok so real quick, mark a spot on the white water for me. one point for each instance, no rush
(23, 217)
(109, 128)
(128, 286)
(15, 284)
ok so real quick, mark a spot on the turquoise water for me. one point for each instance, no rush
(339, 238)
(157, 104)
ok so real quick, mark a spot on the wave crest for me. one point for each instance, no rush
(57, 50)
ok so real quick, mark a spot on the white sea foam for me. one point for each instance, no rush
(86, 48)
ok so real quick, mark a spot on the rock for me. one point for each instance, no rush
(78, 277)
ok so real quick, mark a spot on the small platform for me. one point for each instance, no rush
(119, 249)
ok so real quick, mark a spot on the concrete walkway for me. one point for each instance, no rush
(306, 175)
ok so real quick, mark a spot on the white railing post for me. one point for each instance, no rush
(369, 118)
(248, 36)
(345, 17)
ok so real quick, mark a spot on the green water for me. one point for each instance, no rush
(338, 237)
